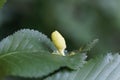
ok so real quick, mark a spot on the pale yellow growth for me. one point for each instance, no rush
(59, 42)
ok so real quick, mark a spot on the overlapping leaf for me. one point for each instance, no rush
(102, 68)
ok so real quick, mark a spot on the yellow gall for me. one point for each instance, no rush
(59, 42)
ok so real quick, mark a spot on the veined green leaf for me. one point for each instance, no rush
(21, 43)
(26, 40)
(28, 53)
(101, 68)
(30, 64)
(36, 64)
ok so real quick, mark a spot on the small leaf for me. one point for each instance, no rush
(90, 45)
(101, 68)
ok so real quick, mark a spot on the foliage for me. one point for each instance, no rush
(29, 54)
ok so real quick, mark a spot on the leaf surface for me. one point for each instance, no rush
(28, 53)
(101, 68)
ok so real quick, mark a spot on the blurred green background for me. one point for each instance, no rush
(79, 21)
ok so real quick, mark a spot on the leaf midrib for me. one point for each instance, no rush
(15, 52)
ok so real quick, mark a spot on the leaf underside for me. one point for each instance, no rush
(101, 68)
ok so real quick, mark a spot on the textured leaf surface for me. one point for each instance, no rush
(102, 68)
(16, 53)
(27, 53)
(26, 40)
(2, 2)
(30, 64)
(35, 64)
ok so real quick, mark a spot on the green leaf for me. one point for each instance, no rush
(23, 42)
(2, 3)
(101, 68)
(28, 53)
(26, 40)
(35, 64)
